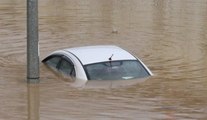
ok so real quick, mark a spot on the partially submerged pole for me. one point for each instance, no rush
(32, 42)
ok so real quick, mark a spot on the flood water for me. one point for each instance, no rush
(170, 36)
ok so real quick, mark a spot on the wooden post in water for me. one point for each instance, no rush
(32, 42)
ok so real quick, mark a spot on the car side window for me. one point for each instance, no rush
(66, 67)
(53, 61)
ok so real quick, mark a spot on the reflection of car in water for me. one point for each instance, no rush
(104, 62)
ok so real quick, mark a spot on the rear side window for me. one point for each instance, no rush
(61, 64)
(67, 68)
(53, 61)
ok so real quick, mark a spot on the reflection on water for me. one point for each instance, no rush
(33, 101)
(168, 35)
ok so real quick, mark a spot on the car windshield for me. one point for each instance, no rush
(116, 70)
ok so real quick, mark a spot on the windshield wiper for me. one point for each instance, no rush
(110, 60)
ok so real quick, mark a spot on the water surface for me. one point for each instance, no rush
(168, 35)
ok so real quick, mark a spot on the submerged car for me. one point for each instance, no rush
(101, 62)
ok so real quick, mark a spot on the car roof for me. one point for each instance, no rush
(100, 53)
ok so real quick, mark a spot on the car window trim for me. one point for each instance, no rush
(51, 56)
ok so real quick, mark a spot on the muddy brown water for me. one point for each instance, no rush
(170, 36)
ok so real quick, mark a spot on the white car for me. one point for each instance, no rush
(101, 62)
